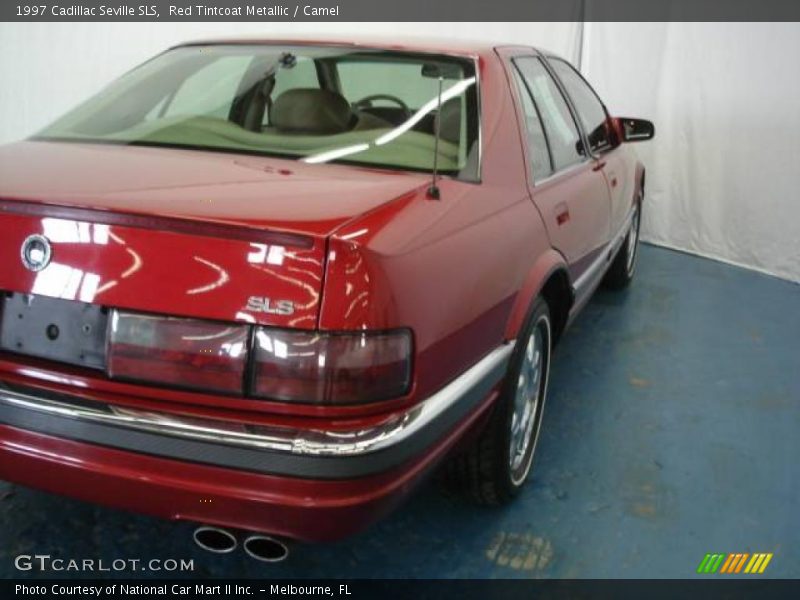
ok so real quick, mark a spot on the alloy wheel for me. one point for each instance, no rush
(528, 398)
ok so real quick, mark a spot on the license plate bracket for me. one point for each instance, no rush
(55, 329)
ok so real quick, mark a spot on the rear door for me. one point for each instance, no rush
(566, 182)
(594, 118)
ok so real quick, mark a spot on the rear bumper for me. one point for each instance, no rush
(302, 484)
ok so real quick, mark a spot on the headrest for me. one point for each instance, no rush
(449, 118)
(311, 110)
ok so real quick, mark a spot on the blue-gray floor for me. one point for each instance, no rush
(672, 430)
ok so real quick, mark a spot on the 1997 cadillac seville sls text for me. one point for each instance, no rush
(269, 285)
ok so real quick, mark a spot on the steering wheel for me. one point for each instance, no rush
(366, 102)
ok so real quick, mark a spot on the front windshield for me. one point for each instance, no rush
(316, 104)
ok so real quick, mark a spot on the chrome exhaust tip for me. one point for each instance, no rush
(214, 539)
(266, 548)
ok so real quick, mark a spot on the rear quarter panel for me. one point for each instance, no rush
(449, 269)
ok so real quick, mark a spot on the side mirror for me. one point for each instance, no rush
(635, 130)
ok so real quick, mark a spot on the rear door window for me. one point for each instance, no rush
(537, 142)
(566, 145)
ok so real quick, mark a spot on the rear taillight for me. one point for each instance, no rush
(182, 352)
(285, 365)
(337, 368)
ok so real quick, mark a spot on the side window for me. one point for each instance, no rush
(210, 90)
(566, 145)
(590, 110)
(537, 142)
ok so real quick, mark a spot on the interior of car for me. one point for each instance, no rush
(314, 104)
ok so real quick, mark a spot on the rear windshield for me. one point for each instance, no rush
(316, 104)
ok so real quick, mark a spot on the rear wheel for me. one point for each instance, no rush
(621, 271)
(496, 467)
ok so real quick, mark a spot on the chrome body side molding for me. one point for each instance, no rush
(598, 267)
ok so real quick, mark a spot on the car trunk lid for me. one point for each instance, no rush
(179, 232)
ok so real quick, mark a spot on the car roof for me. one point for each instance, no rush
(406, 44)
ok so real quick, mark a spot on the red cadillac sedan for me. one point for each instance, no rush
(267, 286)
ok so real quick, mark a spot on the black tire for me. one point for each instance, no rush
(485, 470)
(621, 272)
